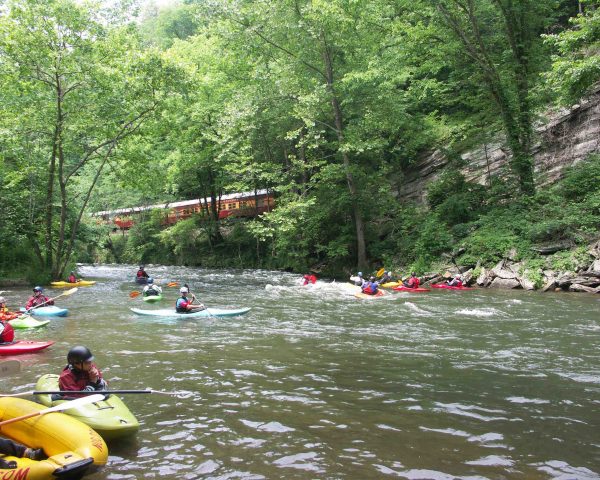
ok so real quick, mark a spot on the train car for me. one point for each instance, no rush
(233, 205)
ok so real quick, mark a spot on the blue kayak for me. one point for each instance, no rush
(207, 312)
(49, 311)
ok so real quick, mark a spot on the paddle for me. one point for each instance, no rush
(71, 392)
(59, 408)
(135, 294)
(8, 367)
(172, 284)
(71, 291)
(380, 272)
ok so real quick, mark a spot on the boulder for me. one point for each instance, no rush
(504, 283)
(485, 278)
(526, 284)
(550, 285)
(576, 287)
(467, 276)
(595, 266)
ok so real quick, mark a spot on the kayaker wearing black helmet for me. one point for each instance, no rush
(38, 299)
(80, 374)
(141, 273)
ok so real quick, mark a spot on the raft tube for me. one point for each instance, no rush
(71, 446)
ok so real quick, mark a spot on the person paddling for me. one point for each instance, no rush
(358, 280)
(72, 277)
(309, 278)
(80, 374)
(370, 287)
(385, 278)
(7, 333)
(150, 289)
(184, 304)
(5, 314)
(413, 281)
(141, 273)
(455, 282)
(38, 299)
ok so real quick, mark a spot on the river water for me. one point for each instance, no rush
(316, 384)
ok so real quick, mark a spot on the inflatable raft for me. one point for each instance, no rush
(80, 283)
(207, 312)
(71, 446)
(22, 346)
(110, 418)
(49, 311)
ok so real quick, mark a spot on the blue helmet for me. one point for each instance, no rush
(360, 274)
(38, 289)
(150, 280)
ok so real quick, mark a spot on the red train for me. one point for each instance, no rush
(237, 205)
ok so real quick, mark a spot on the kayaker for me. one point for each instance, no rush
(310, 278)
(385, 278)
(358, 279)
(5, 314)
(150, 289)
(184, 304)
(72, 278)
(38, 299)
(141, 273)
(11, 448)
(80, 374)
(7, 333)
(412, 282)
(455, 282)
(370, 287)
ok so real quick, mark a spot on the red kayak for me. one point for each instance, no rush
(402, 288)
(448, 287)
(22, 346)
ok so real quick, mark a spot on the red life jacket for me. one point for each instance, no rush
(8, 333)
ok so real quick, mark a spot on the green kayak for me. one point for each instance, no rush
(110, 417)
(25, 321)
(152, 298)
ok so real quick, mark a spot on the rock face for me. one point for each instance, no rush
(567, 137)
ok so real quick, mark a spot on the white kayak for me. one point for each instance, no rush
(207, 312)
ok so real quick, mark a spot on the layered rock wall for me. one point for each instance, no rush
(567, 137)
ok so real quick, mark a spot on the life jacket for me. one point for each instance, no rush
(8, 332)
(180, 305)
(6, 315)
(72, 279)
(141, 274)
(370, 288)
(413, 282)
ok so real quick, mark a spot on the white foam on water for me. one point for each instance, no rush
(480, 312)
(537, 401)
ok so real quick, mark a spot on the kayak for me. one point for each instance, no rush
(411, 290)
(80, 283)
(380, 293)
(208, 312)
(23, 346)
(390, 284)
(109, 417)
(25, 321)
(141, 280)
(152, 298)
(71, 446)
(448, 287)
(49, 311)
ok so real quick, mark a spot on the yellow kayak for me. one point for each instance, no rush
(391, 284)
(72, 447)
(80, 283)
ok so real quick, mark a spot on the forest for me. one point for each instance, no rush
(326, 103)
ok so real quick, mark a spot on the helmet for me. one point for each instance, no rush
(79, 354)
(141, 267)
(2, 300)
(360, 274)
(388, 273)
(371, 279)
(457, 275)
(183, 290)
(150, 280)
(72, 272)
(413, 274)
(38, 289)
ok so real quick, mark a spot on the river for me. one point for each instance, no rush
(315, 384)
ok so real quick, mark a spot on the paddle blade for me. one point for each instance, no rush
(172, 284)
(71, 291)
(380, 272)
(134, 294)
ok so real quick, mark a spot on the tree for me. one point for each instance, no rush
(75, 86)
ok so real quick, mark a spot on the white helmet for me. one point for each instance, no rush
(2, 300)
(183, 290)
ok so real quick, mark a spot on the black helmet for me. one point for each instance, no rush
(38, 289)
(413, 274)
(79, 354)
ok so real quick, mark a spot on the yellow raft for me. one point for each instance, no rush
(80, 283)
(72, 447)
